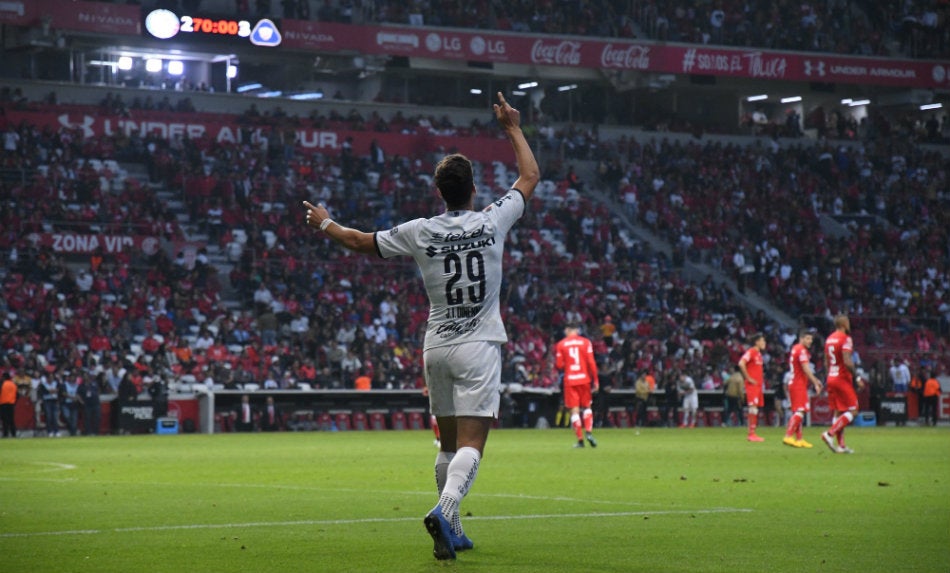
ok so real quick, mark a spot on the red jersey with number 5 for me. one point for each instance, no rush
(835, 346)
(575, 356)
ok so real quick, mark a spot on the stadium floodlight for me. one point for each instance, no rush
(248, 87)
(792, 99)
(857, 102)
(475, 91)
(759, 97)
(846, 101)
(518, 93)
(153, 65)
(274, 93)
(927, 106)
(567, 88)
(232, 72)
(176, 67)
(125, 63)
(307, 96)
(527, 85)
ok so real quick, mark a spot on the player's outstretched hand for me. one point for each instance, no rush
(507, 116)
(316, 214)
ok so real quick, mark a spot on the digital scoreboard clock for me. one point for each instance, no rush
(165, 25)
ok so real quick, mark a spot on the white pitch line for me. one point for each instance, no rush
(272, 487)
(307, 522)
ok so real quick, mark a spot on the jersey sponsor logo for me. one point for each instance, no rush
(393, 231)
(463, 236)
(432, 251)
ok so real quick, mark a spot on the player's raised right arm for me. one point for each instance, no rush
(528, 172)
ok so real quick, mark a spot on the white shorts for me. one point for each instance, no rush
(691, 402)
(464, 379)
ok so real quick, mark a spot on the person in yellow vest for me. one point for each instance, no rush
(7, 404)
(931, 399)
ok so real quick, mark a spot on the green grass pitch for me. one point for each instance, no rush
(656, 500)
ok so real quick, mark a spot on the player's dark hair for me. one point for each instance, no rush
(455, 181)
(804, 332)
(755, 337)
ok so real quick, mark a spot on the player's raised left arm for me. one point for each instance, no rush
(353, 239)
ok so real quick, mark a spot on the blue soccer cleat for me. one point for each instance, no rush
(461, 542)
(441, 532)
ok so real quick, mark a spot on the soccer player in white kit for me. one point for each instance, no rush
(459, 254)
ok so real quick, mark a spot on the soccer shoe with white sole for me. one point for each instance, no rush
(845, 450)
(790, 441)
(461, 542)
(579, 444)
(829, 441)
(803, 444)
(438, 527)
(590, 438)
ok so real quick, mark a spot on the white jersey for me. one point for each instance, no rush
(460, 256)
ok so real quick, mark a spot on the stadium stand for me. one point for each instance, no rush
(233, 295)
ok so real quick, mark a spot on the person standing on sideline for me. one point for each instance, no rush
(799, 364)
(8, 405)
(840, 382)
(574, 355)
(733, 392)
(687, 388)
(931, 400)
(751, 364)
(49, 392)
(244, 420)
(459, 254)
(89, 395)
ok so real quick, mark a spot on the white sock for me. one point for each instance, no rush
(442, 461)
(460, 476)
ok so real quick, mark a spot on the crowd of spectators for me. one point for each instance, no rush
(914, 28)
(302, 311)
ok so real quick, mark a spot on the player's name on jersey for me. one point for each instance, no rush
(462, 311)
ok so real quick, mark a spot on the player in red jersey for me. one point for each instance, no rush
(840, 369)
(799, 363)
(751, 364)
(574, 355)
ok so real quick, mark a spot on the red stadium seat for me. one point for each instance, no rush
(416, 419)
(360, 423)
(377, 420)
(714, 417)
(342, 419)
(621, 418)
(324, 422)
(399, 420)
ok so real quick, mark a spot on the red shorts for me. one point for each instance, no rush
(753, 395)
(577, 396)
(799, 401)
(841, 395)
